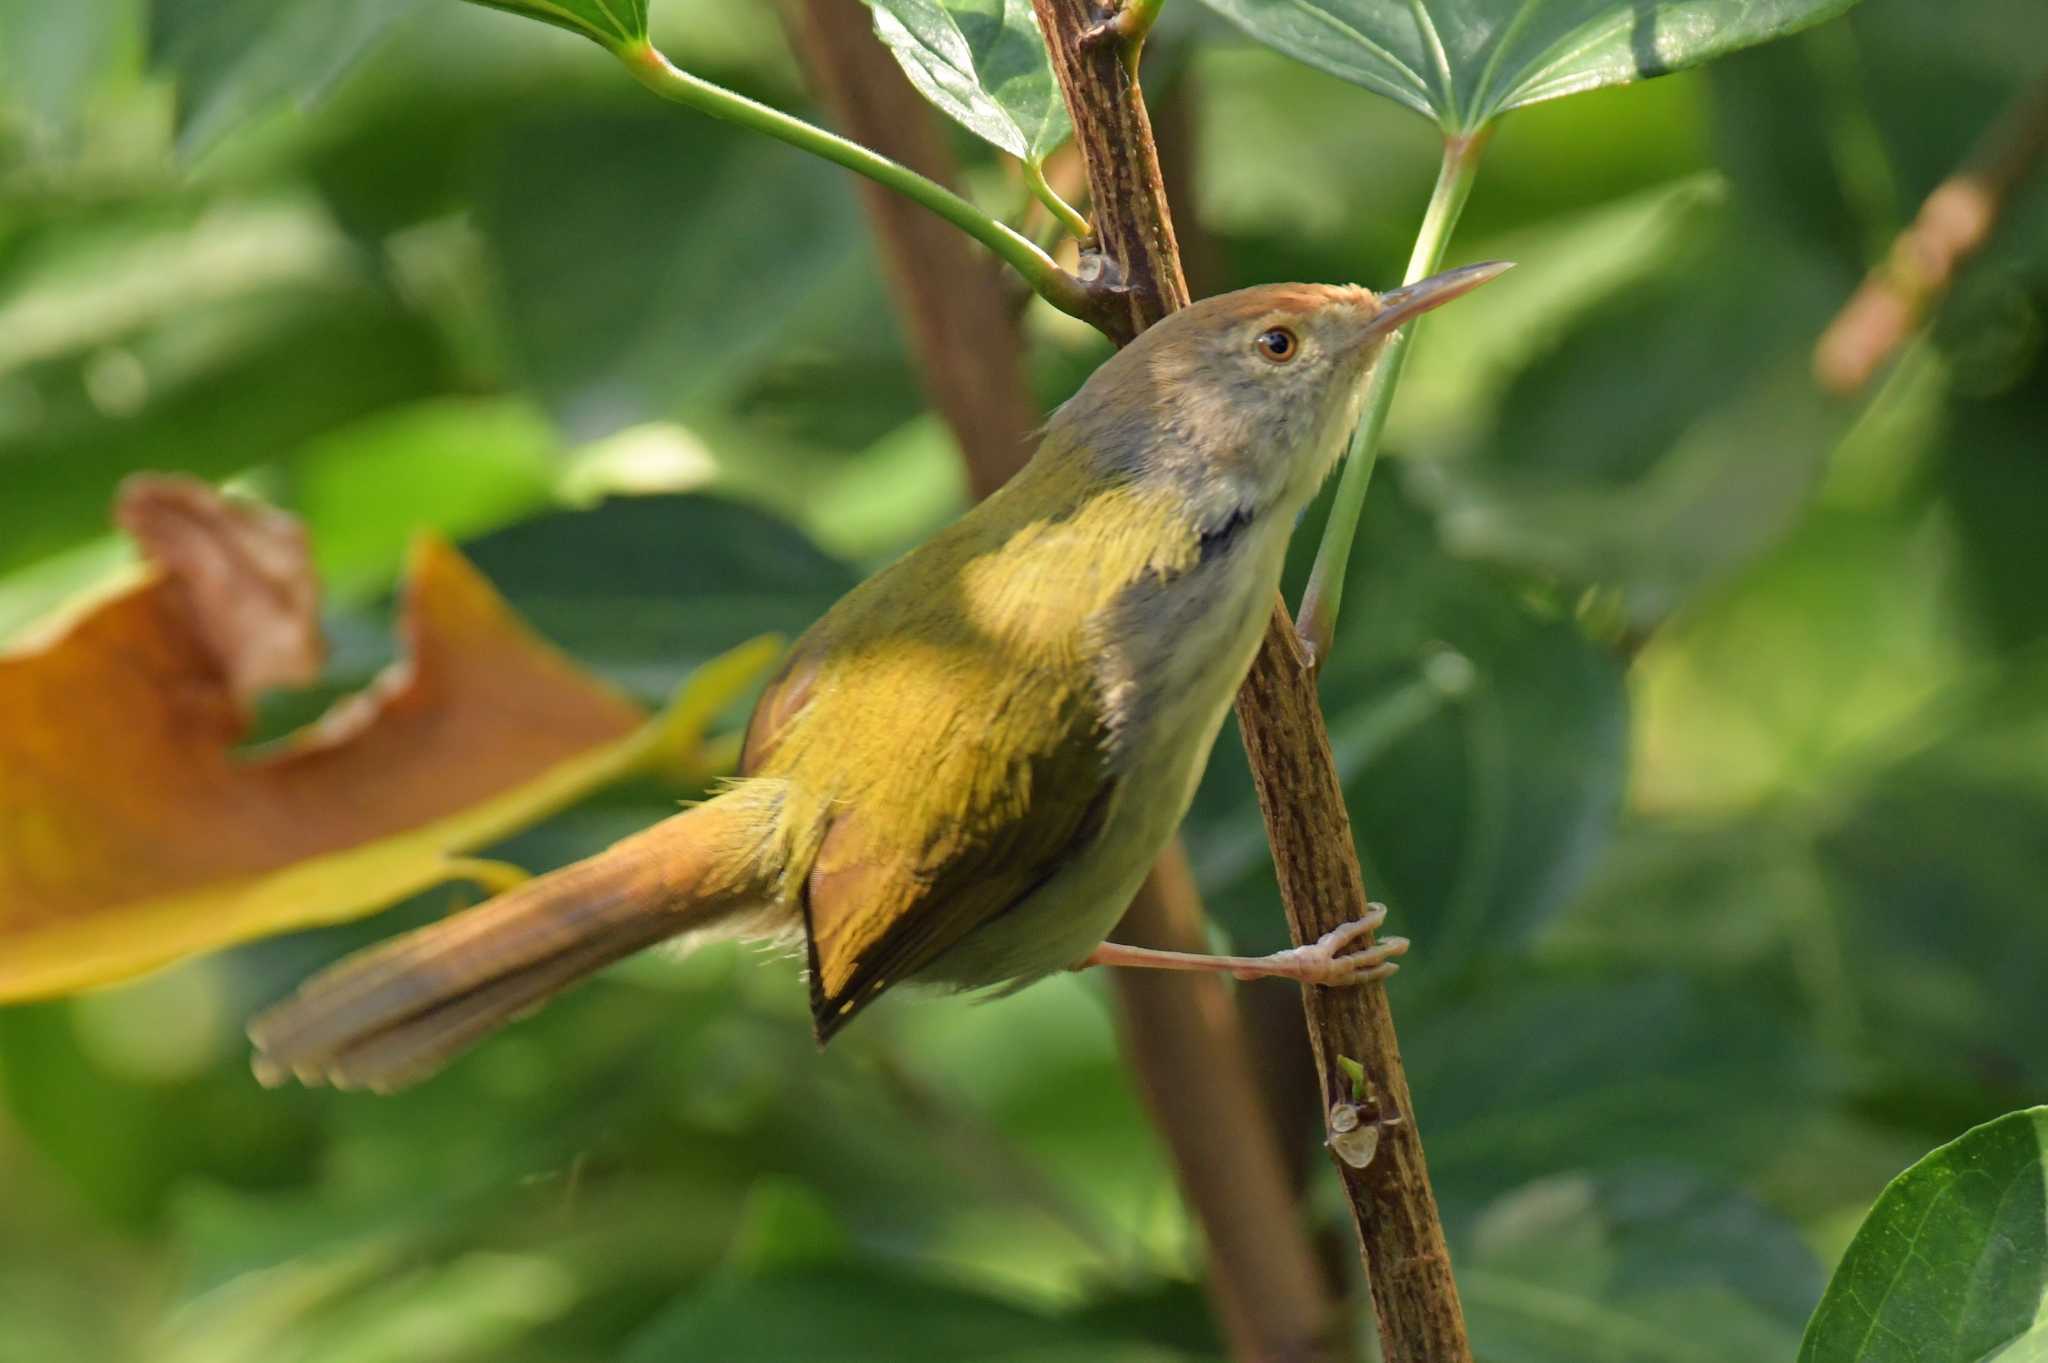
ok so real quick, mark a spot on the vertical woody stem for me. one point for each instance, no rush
(1133, 227)
(1183, 1035)
(1392, 1204)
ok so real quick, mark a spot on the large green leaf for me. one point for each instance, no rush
(1944, 945)
(1951, 1265)
(1646, 1265)
(1482, 742)
(984, 63)
(693, 260)
(866, 1315)
(1465, 62)
(644, 588)
(1523, 1074)
(1701, 456)
(236, 58)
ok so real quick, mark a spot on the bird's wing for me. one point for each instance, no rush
(953, 775)
(886, 898)
(946, 728)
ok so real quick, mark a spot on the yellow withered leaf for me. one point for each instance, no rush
(132, 832)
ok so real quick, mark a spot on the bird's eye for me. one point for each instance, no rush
(1277, 344)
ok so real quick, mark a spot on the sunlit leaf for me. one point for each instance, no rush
(53, 58)
(1951, 1265)
(237, 58)
(984, 63)
(137, 834)
(1704, 454)
(611, 22)
(1465, 62)
(204, 344)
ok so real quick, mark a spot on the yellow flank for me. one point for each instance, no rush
(978, 647)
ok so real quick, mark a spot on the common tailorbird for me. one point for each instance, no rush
(962, 772)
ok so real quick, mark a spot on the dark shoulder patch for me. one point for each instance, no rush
(1216, 540)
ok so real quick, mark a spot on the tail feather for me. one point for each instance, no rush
(393, 1014)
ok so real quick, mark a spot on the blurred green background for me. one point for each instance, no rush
(1695, 726)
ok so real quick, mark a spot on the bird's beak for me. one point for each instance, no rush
(1400, 306)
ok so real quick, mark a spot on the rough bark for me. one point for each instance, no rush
(1393, 1207)
(1134, 243)
(1316, 862)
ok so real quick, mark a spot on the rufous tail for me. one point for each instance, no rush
(395, 1013)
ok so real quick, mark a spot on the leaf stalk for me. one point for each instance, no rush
(655, 71)
(1069, 216)
(1317, 622)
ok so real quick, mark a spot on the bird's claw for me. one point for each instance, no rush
(1331, 962)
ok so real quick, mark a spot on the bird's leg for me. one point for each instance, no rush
(1332, 961)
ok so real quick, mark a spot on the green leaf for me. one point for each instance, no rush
(984, 63)
(1466, 62)
(1482, 739)
(54, 58)
(613, 23)
(468, 465)
(237, 58)
(1552, 1068)
(1951, 1265)
(1938, 863)
(643, 589)
(848, 1314)
(184, 380)
(1646, 1265)
(696, 259)
(1655, 488)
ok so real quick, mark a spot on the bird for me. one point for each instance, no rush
(961, 773)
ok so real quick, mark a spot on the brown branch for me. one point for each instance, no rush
(1392, 1204)
(1953, 224)
(1183, 1034)
(951, 296)
(1186, 1039)
(1134, 243)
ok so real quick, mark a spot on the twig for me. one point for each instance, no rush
(1392, 1204)
(1953, 224)
(1183, 1034)
(655, 71)
(1133, 227)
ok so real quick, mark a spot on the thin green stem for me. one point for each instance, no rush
(1317, 620)
(1134, 22)
(1055, 285)
(1069, 216)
